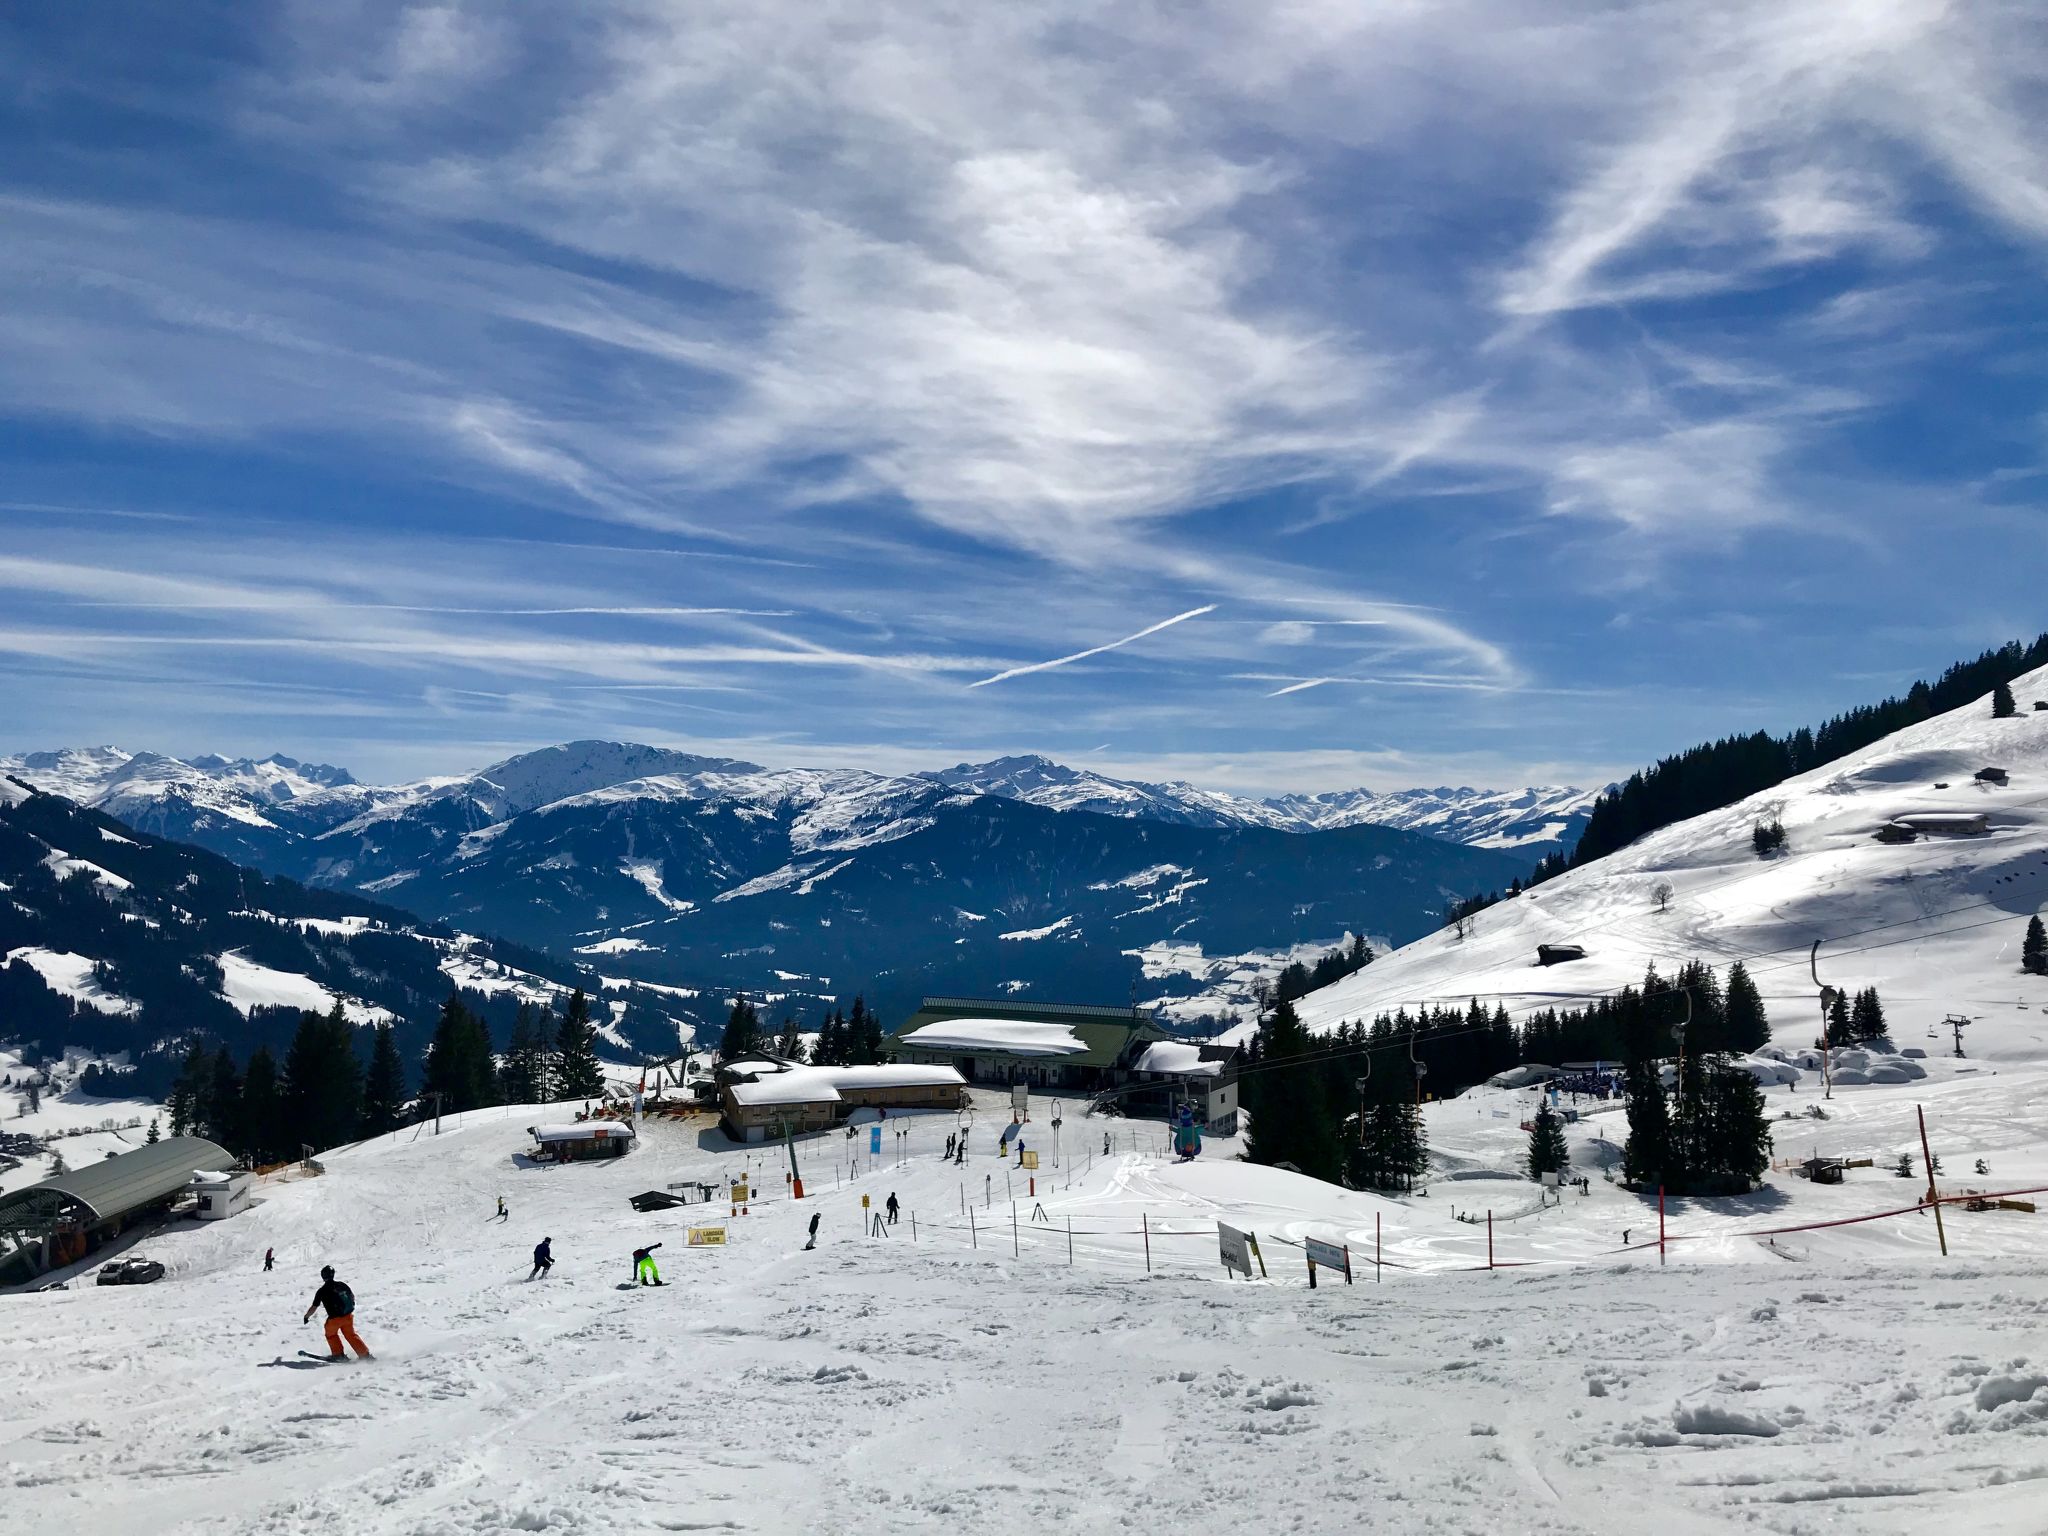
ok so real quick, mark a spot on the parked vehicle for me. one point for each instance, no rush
(133, 1270)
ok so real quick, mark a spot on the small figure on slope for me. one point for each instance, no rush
(340, 1303)
(643, 1265)
(503, 1214)
(269, 1260)
(543, 1257)
(814, 1232)
(891, 1206)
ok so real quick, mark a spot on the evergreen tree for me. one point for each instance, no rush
(262, 1110)
(1866, 1018)
(1547, 1150)
(189, 1091)
(322, 1089)
(154, 1135)
(1840, 1030)
(789, 1045)
(742, 1031)
(1745, 1025)
(1742, 1143)
(864, 1035)
(577, 1073)
(384, 1085)
(520, 1074)
(2002, 705)
(459, 1064)
(829, 1050)
(224, 1100)
(2034, 950)
(1646, 1162)
(1291, 1122)
(547, 1061)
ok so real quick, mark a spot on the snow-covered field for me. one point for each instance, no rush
(960, 1379)
(1935, 924)
(83, 1127)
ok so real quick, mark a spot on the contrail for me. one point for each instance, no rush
(1096, 650)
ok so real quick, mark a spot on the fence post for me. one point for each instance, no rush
(1147, 1221)
(1013, 1229)
(1375, 1247)
(973, 1236)
(1660, 1223)
(1070, 1242)
(1489, 1239)
(1933, 1195)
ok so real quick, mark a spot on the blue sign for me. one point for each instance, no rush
(875, 1139)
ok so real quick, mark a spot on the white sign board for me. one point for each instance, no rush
(1020, 1099)
(1235, 1250)
(1329, 1255)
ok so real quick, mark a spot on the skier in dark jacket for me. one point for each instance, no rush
(892, 1207)
(340, 1304)
(814, 1231)
(269, 1260)
(643, 1265)
(543, 1257)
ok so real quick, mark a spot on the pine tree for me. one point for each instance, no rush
(1291, 1123)
(1741, 1153)
(459, 1064)
(262, 1110)
(224, 1100)
(547, 1061)
(864, 1035)
(323, 1086)
(578, 1075)
(1547, 1150)
(519, 1074)
(384, 1085)
(1745, 1026)
(154, 1135)
(1840, 1030)
(2002, 705)
(1866, 1018)
(2034, 950)
(189, 1091)
(789, 1045)
(742, 1031)
(1647, 1161)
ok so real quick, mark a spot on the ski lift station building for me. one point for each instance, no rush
(64, 1218)
(761, 1095)
(1088, 1050)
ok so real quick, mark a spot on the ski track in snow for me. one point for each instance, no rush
(936, 1385)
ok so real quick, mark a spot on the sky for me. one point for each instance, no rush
(1282, 397)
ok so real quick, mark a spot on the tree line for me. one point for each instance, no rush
(844, 1039)
(325, 1093)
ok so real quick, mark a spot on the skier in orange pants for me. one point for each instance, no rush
(340, 1303)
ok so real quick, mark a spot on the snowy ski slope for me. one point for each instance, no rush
(1935, 924)
(1845, 1378)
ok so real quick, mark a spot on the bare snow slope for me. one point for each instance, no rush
(1935, 925)
(943, 1381)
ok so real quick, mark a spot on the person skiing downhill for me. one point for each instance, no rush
(814, 1232)
(340, 1302)
(543, 1257)
(503, 1214)
(643, 1265)
(269, 1260)
(891, 1207)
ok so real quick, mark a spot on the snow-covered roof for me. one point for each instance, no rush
(582, 1130)
(821, 1085)
(1011, 1036)
(1177, 1056)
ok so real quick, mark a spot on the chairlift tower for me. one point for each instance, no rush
(1955, 1024)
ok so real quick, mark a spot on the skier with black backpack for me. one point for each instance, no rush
(543, 1257)
(340, 1303)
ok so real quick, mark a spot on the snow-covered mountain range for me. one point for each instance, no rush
(1935, 923)
(1537, 820)
(709, 872)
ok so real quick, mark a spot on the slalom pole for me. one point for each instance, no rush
(1660, 1223)
(1933, 1195)
(1375, 1247)
(1070, 1242)
(1147, 1221)
(973, 1236)
(1489, 1239)
(1013, 1229)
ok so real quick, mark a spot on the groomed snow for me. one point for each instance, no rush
(71, 975)
(933, 1381)
(246, 985)
(1018, 1039)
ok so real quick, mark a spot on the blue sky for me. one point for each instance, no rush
(1456, 392)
